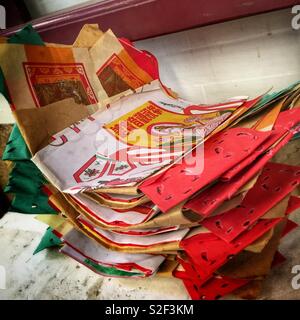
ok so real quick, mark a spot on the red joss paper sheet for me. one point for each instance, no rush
(219, 154)
(219, 286)
(208, 254)
(215, 288)
(275, 182)
(207, 201)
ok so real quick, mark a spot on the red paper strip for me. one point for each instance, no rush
(207, 201)
(275, 182)
(208, 256)
(143, 59)
(219, 154)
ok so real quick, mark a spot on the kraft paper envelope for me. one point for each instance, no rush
(88, 36)
(47, 121)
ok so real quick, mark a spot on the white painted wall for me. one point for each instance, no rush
(38, 8)
(240, 57)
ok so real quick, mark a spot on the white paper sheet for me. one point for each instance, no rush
(94, 251)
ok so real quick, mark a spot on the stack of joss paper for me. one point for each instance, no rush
(146, 183)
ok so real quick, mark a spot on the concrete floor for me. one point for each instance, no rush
(51, 275)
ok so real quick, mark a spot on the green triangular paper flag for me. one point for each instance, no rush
(16, 148)
(25, 181)
(49, 240)
(27, 36)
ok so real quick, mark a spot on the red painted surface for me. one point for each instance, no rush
(140, 19)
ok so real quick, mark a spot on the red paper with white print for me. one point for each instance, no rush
(208, 200)
(219, 154)
(121, 146)
(275, 182)
(234, 103)
(208, 254)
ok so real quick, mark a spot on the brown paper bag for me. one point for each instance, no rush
(38, 125)
(43, 75)
(117, 72)
(88, 36)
